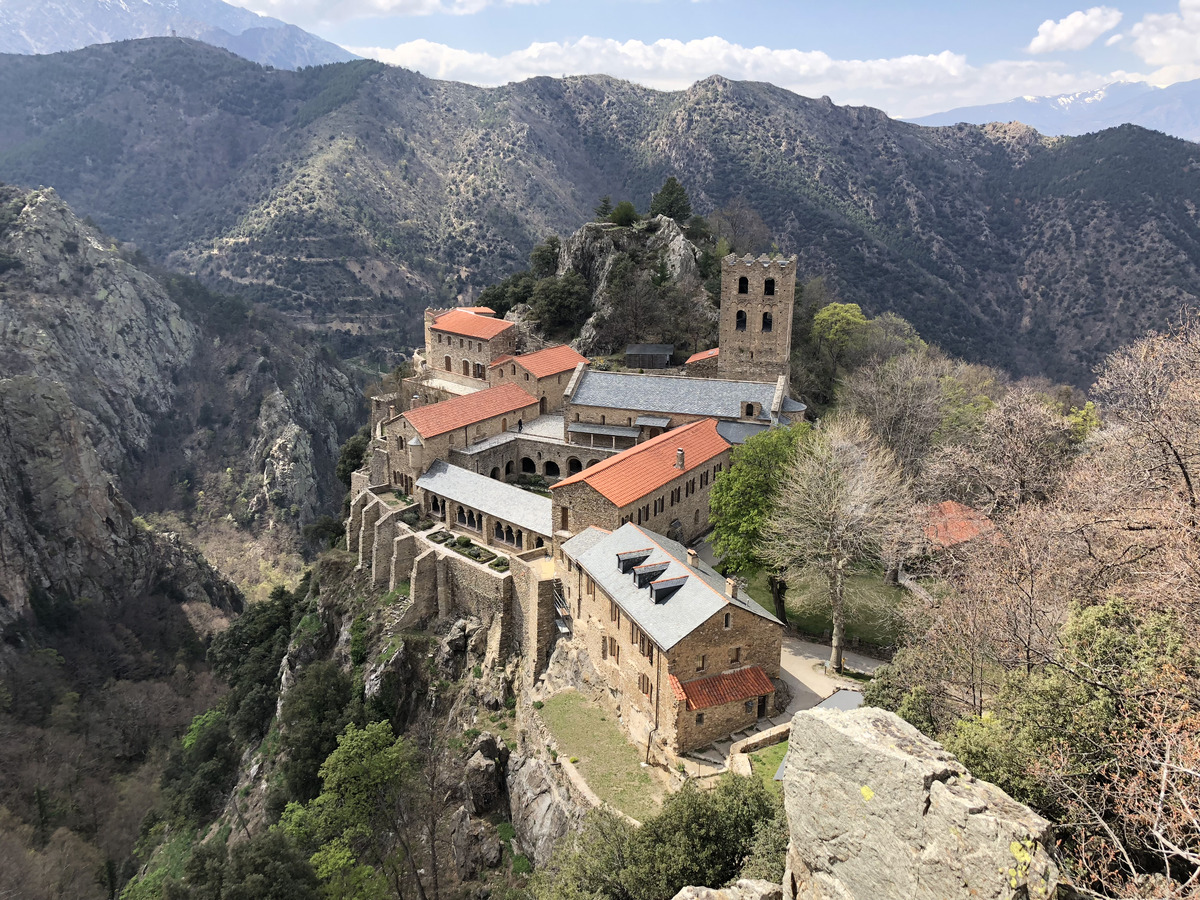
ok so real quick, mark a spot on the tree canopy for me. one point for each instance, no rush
(671, 200)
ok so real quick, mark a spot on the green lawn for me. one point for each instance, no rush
(765, 763)
(609, 763)
(807, 605)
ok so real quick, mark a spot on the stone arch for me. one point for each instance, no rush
(508, 467)
(769, 287)
(740, 320)
(550, 469)
(472, 522)
(508, 534)
(574, 465)
(498, 534)
(496, 472)
(461, 516)
(528, 466)
(520, 540)
(768, 321)
(591, 462)
(504, 424)
(743, 285)
(538, 544)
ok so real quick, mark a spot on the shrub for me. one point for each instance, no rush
(521, 864)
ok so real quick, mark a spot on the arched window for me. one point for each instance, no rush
(498, 534)
(740, 321)
(466, 367)
(447, 364)
(539, 543)
(769, 287)
(462, 516)
(743, 285)
(520, 541)
(496, 472)
(508, 467)
(574, 465)
(768, 321)
(508, 535)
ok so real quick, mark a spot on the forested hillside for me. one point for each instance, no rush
(358, 194)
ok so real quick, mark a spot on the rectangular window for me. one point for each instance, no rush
(614, 650)
(614, 612)
(735, 654)
(700, 664)
(750, 706)
(699, 718)
(591, 586)
(650, 652)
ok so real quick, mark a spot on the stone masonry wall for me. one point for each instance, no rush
(472, 351)
(749, 352)
(508, 460)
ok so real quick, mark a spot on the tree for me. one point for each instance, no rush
(841, 499)
(603, 209)
(837, 329)
(742, 227)
(743, 498)
(313, 714)
(561, 304)
(352, 454)
(624, 214)
(365, 830)
(671, 201)
(543, 260)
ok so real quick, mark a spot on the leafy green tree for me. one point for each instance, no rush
(671, 201)
(838, 328)
(624, 214)
(350, 459)
(365, 830)
(588, 864)
(561, 304)
(543, 260)
(743, 498)
(313, 714)
(264, 867)
(603, 209)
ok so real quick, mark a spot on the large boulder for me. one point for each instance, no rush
(876, 810)
(475, 845)
(746, 889)
(543, 809)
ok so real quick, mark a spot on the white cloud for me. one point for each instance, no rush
(1170, 41)
(334, 10)
(1077, 31)
(904, 85)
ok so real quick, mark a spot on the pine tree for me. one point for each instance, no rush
(671, 201)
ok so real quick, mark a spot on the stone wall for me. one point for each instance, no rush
(519, 455)
(878, 811)
(750, 351)
(533, 611)
(548, 388)
(476, 354)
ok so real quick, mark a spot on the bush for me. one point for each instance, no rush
(521, 865)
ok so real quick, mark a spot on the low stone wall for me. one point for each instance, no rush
(739, 753)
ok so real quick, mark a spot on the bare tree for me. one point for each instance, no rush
(840, 501)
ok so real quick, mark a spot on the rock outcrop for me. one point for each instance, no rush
(877, 811)
(542, 808)
(745, 889)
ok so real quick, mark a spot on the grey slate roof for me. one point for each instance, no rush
(649, 349)
(652, 421)
(609, 430)
(842, 699)
(673, 394)
(668, 622)
(737, 432)
(793, 406)
(488, 496)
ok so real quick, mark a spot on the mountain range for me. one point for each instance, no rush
(1173, 110)
(51, 26)
(349, 197)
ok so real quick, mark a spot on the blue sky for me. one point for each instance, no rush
(908, 59)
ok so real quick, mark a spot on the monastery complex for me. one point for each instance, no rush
(563, 499)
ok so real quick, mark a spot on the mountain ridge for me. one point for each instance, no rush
(350, 197)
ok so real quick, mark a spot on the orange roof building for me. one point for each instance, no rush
(703, 355)
(663, 484)
(544, 363)
(544, 374)
(471, 324)
(950, 523)
(471, 409)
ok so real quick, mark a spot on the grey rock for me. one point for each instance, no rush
(474, 844)
(878, 811)
(542, 808)
(481, 783)
(745, 889)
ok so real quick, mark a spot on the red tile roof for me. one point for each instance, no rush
(438, 418)
(469, 324)
(501, 360)
(644, 468)
(951, 523)
(551, 361)
(481, 310)
(703, 354)
(717, 690)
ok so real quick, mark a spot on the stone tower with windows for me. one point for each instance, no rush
(757, 296)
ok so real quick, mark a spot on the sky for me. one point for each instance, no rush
(908, 59)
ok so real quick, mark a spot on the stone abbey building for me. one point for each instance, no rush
(483, 432)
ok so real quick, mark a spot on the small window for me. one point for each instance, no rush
(728, 620)
(439, 338)
(700, 664)
(735, 654)
(769, 287)
(743, 285)
(740, 321)
(768, 321)
(460, 343)
(526, 376)
(750, 706)
(699, 718)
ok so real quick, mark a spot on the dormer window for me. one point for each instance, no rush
(661, 591)
(643, 575)
(630, 558)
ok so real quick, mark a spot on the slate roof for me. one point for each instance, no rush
(702, 355)
(543, 363)
(728, 687)
(460, 412)
(842, 699)
(646, 467)
(470, 324)
(669, 621)
(737, 432)
(951, 523)
(650, 349)
(673, 394)
(607, 430)
(488, 496)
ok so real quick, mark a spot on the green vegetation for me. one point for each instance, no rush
(609, 763)
(671, 200)
(869, 600)
(765, 763)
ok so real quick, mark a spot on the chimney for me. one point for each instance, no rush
(693, 559)
(679, 458)
(416, 401)
(730, 588)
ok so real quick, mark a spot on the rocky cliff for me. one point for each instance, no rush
(877, 811)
